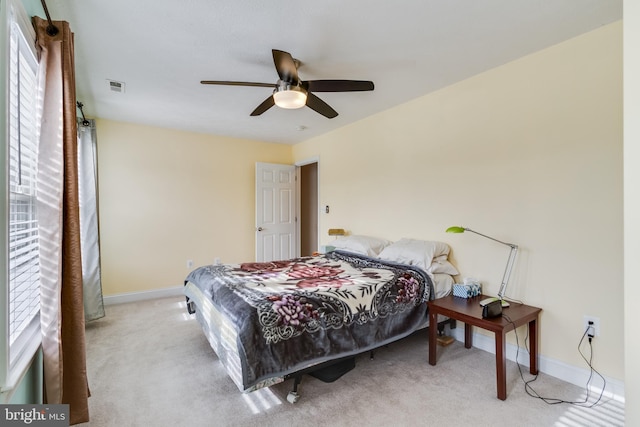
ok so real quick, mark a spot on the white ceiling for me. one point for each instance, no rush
(162, 49)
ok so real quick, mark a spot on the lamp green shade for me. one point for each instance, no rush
(455, 229)
(507, 271)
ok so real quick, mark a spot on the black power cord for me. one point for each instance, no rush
(552, 400)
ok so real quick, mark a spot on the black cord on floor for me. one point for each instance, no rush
(551, 400)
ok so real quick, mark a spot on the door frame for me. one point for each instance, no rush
(298, 165)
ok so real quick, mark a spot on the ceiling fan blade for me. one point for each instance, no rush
(338, 85)
(266, 104)
(285, 66)
(319, 106)
(226, 83)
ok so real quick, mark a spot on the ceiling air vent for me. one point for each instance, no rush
(116, 86)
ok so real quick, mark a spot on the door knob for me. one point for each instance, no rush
(260, 228)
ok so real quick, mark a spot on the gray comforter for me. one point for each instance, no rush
(295, 313)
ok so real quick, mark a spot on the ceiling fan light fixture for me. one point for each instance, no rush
(290, 97)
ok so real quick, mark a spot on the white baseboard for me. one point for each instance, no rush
(144, 295)
(572, 374)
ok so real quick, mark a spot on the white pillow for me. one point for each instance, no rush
(363, 245)
(414, 252)
(442, 265)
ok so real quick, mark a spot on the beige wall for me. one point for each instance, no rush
(168, 196)
(530, 153)
(632, 207)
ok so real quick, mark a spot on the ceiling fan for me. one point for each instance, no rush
(291, 92)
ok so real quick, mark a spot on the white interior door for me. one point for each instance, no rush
(275, 212)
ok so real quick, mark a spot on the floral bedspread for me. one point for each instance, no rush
(294, 313)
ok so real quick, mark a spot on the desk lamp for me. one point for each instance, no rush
(507, 270)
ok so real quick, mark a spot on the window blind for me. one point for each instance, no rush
(24, 267)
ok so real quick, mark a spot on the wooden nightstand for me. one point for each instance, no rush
(468, 310)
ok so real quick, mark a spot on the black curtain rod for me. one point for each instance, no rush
(85, 122)
(52, 30)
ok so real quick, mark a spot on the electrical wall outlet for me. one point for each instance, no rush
(595, 326)
(189, 263)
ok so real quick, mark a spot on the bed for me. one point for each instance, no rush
(269, 321)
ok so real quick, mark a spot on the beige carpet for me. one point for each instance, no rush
(149, 364)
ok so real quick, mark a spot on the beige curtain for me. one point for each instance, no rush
(62, 312)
